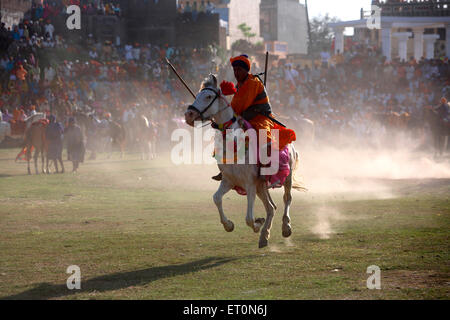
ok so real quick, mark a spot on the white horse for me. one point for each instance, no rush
(210, 104)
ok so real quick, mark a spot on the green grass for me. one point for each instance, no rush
(149, 230)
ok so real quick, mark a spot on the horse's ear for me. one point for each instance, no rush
(214, 80)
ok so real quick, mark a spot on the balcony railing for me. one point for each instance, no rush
(414, 8)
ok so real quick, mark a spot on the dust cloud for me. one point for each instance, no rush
(364, 170)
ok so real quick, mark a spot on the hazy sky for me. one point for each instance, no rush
(343, 9)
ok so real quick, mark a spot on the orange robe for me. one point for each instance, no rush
(252, 92)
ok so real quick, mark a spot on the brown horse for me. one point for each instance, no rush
(35, 139)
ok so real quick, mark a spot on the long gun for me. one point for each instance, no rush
(265, 69)
(265, 81)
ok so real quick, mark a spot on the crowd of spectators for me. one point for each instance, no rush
(195, 8)
(41, 71)
(51, 8)
(347, 92)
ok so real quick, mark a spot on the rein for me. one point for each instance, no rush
(192, 107)
(220, 127)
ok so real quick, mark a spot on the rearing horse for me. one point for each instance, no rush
(210, 104)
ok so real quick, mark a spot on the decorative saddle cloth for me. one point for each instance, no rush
(242, 147)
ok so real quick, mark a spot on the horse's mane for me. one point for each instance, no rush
(210, 81)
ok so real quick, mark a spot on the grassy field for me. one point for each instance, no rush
(149, 230)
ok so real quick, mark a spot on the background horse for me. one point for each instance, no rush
(305, 129)
(88, 128)
(145, 135)
(35, 139)
(211, 105)
(100, 135)
(440, 130)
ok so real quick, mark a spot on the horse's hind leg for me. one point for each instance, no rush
(218, 196)
(47, 160)
(287, 198)
(155, 150)
(62, 164)
(263, 194)
(43, 162)
(28, 156)
(122, 149)
(36, 155)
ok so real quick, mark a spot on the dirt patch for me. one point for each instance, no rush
(407, 279)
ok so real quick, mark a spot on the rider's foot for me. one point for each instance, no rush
(218, 177)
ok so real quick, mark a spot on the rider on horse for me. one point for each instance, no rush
(251, 102)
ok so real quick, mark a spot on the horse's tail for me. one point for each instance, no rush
(297, 185)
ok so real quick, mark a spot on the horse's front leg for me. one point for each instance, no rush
(263, 194)
(36, 155)
(218, 196)
(28, 164)
(249, 219)
(43, 162)
(48, 171)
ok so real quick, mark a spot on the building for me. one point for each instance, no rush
(12, 11)
(403, 30)
(284, 24)
(232, 14)
(150, 21)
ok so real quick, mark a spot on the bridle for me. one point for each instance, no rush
(201, 113)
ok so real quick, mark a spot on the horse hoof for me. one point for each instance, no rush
(229, 227)
(287, 230)
(258, 224)
(263, 243)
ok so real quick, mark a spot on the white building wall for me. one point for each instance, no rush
(293, 26)
(12, 11)
(243, 11)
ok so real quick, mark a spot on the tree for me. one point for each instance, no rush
(246, 31)
(321, 34)
(245, 45)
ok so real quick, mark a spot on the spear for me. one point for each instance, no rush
(179, 77)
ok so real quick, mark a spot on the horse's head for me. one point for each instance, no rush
(206, 104)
